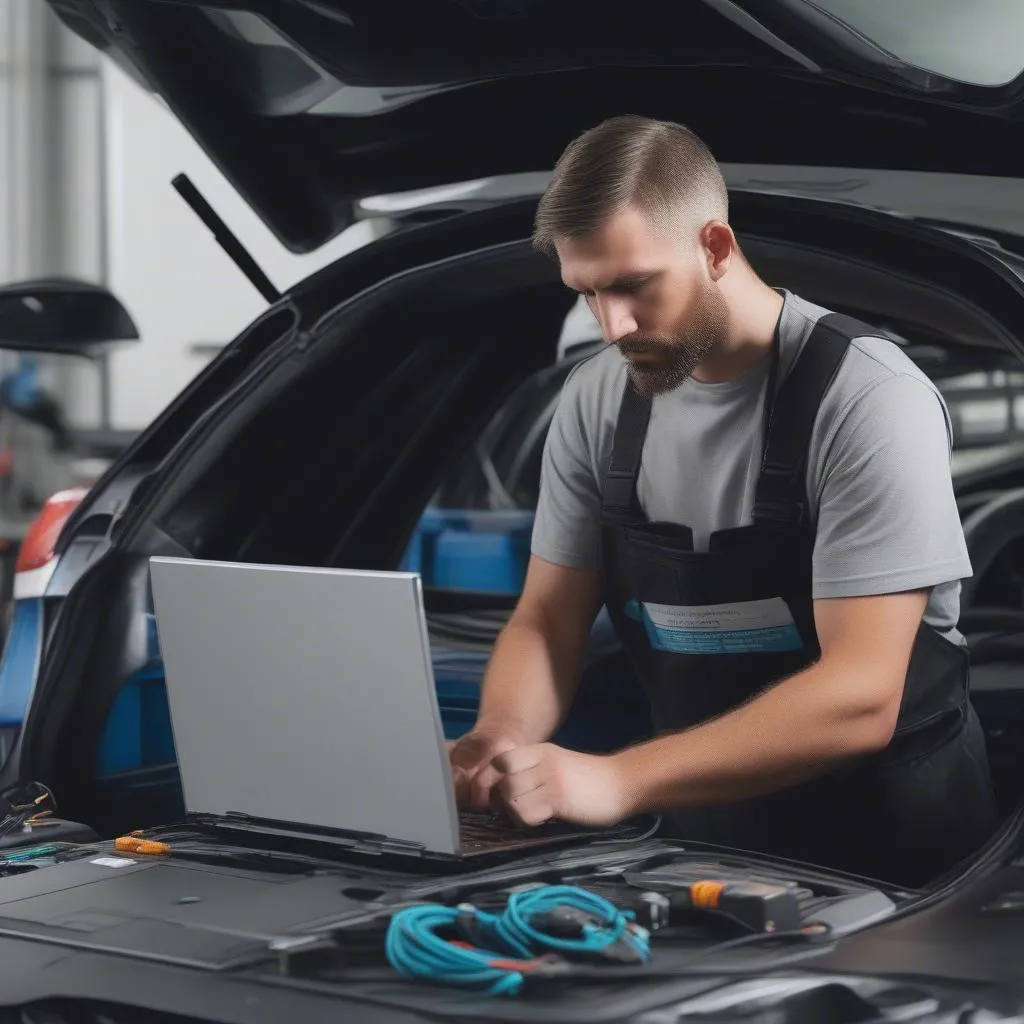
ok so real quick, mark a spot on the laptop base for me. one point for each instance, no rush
(479, 848)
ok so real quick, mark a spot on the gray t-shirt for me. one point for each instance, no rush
(878, 473)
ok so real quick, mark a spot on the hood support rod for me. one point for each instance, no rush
(225, 237)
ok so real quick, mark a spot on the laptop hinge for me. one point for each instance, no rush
(360, 842)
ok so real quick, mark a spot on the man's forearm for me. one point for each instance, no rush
(794, 731)
(529, 684)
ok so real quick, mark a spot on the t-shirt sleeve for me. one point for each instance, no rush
(566, 530)
(887, 515)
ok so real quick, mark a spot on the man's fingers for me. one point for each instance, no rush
(473, 751)
(519, 759)
(531, 808)
(525, 797)
(473, 786)
(469, 753)
(481, 786)
(480, 764)
(514, 787)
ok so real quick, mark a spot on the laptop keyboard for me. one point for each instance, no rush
(484, 831)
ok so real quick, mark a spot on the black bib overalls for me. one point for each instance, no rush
(708, 631)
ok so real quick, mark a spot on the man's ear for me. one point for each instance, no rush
(719, 244)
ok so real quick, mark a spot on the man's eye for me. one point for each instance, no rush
(630, 287)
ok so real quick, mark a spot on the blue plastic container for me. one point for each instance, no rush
(466, 549)
(494, 562)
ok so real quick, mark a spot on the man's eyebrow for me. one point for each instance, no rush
(625, 281)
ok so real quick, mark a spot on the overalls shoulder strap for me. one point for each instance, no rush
(618, 497)
(780, 497)
(789, 421)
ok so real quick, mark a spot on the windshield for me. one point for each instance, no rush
(977, 43)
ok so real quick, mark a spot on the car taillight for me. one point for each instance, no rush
(38, 546)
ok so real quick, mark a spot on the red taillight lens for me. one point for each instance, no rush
(39, 543)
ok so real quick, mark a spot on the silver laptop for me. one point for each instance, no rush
(302, 700)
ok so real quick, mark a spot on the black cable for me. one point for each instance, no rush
(805, 937)
(193, 846)
(360, 968)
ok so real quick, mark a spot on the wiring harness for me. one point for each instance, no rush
(28, 806)
(539, 934)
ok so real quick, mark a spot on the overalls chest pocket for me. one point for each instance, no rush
(746, 595)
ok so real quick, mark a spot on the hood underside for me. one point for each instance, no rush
(308, 106)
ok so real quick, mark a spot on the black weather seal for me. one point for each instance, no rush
(225, 237)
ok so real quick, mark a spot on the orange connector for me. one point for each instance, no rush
(706, 895)
(131, 844)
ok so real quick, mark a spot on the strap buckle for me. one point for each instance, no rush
(776, 502)
(781, 513)
(779, 469)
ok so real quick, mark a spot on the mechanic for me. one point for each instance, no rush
(759, 491)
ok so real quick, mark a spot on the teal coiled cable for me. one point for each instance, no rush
(537, 933)
(415, 950)
(601, 923)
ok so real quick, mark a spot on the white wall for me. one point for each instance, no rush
(178, 284)
(50, 220)
(76, 164)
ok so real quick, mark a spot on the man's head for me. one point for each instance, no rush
(636, 214)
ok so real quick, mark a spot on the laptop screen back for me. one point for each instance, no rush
(305, 696)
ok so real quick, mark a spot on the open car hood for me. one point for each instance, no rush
(308, 106)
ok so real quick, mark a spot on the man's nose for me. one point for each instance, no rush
(616, 319)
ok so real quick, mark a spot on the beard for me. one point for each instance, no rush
(666, 363)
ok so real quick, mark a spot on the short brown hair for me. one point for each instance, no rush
(659, 167)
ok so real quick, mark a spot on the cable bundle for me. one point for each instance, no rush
(415, 949)
(537, 935)
(25, 806)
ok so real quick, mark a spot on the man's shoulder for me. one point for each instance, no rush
(883, 358)
(881, 394)
(879, 374)
(871, 361)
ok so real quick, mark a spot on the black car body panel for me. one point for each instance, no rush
(295, 314)
(307, 106)
(239, 943)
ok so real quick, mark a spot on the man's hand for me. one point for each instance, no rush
(544, 782)
(472, 773)
(531, 677)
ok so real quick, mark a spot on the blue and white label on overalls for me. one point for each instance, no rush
(745, 627)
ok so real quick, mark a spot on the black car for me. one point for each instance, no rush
(324, 432)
